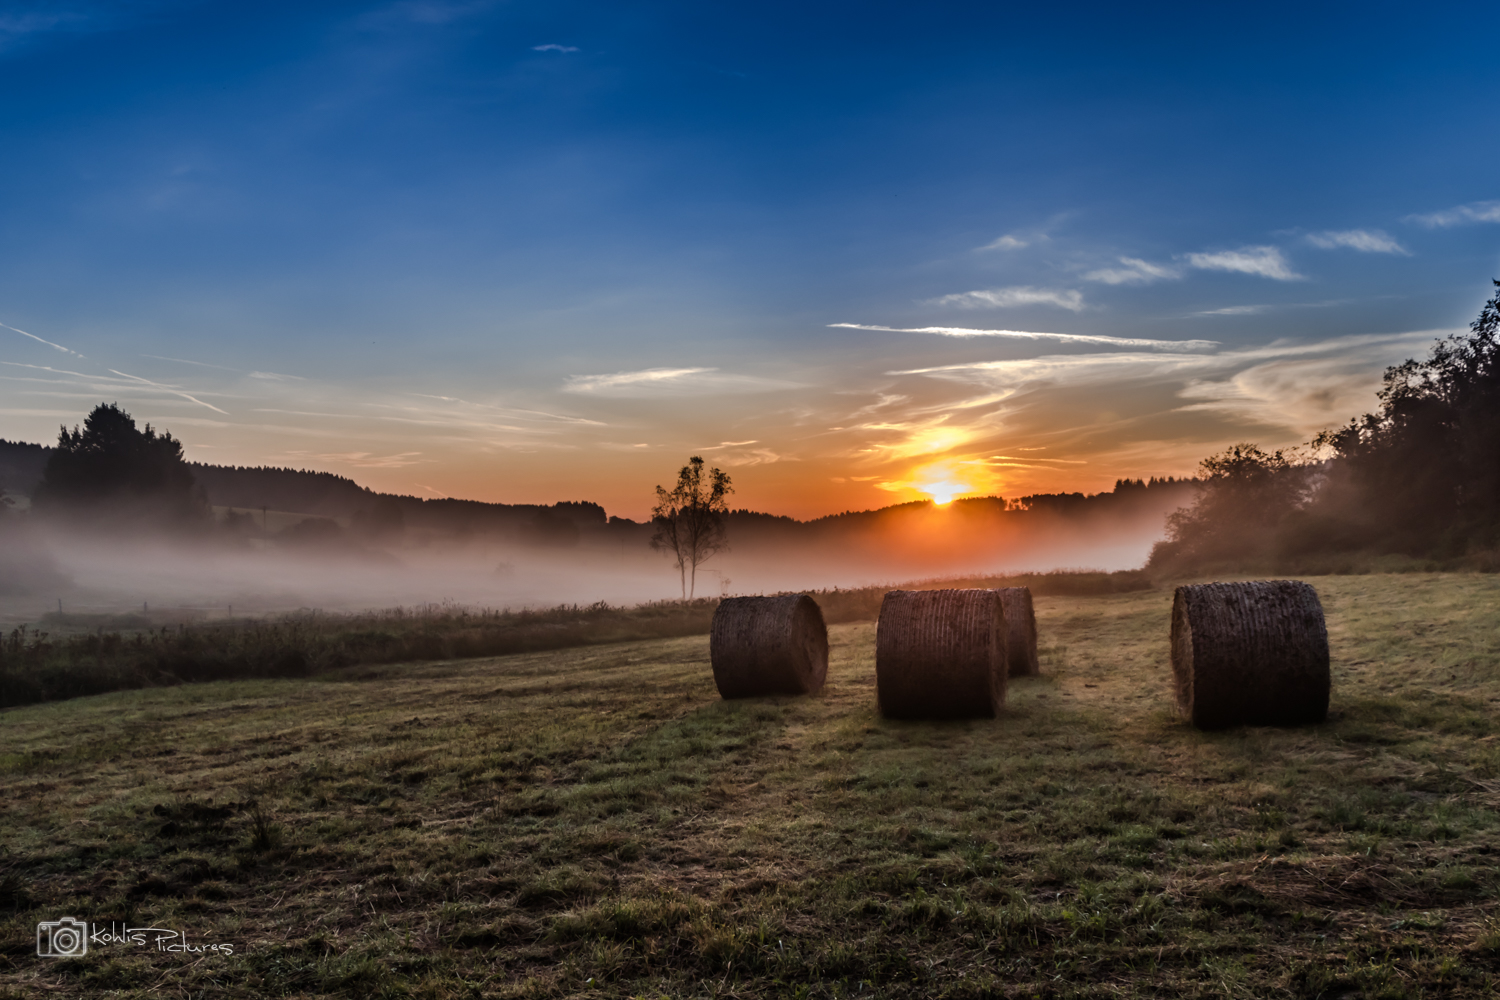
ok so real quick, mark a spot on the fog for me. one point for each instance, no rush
(46, 567)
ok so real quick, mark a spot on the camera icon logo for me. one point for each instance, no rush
(62, 938)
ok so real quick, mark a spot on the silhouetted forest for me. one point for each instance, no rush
(1418, 478)
(341, 512)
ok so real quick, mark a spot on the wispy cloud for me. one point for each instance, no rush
(1364, 240)
(7, 411)
(554, 47)
(1007, 242)
(1264, 262)
(1070, 338)
(514, 412)
(1135, 271)
(1257, 309)
(1019, 295)
(368, 460)
(271, 376)
(1365, 354)
(1461, 215)
(647, 376)
(672, 381)
(739, 453)
(1234, 311)
(1099, 406)
(39, 340)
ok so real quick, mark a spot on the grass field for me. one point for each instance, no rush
(596, 822)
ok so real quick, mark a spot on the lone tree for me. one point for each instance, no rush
(689, 519)
(115, 472)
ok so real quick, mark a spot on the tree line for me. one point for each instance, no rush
(1417, 477)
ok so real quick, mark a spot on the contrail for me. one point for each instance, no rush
(168, 388)
(39, 340)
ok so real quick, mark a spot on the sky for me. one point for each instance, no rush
(852, 254)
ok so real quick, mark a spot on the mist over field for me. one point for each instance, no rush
(207, 574)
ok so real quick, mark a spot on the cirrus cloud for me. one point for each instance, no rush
(1006, 242)
(1363, 240)
(1264, 262)
(1072, 338)
(1135, 272)
(1018, 295)
(649, 382)
(1460, 215)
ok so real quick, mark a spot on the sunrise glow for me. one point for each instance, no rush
(941, 482)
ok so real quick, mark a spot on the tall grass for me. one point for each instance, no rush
(47, 666)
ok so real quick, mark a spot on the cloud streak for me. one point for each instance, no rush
(1460, 215)
(271, 376)
(1020, 295)
(649, 382)
(1263, 262)
(1006, 242)
(1067, 338)
(1275, 349)
(1234, 311)
(1363, 240)
(1135, 272)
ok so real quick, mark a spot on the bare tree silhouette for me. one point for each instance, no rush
(690, 519)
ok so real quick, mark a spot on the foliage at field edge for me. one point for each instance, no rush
(1417, 481)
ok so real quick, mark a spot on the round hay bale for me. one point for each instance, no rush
(1250, 654)
(940, 654)
(1020, 631)
(768, 645)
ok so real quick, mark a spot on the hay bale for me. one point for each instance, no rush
(1020, 631)
(1251, 654)
(940, 654)
(768, 645)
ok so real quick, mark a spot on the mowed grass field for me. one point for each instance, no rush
(596, 822)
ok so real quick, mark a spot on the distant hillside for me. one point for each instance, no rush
(1129, 496)
(323, 494)
(326, 495)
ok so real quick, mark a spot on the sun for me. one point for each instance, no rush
(941, 484)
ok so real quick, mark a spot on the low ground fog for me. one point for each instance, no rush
(339, 569)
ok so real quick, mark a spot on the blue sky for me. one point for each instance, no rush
(525, 251)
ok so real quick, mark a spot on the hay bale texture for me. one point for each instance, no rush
(768, 645)
(940, 654)
(1251, 654)
(1020, 631)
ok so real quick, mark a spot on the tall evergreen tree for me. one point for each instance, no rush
(112, 470)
